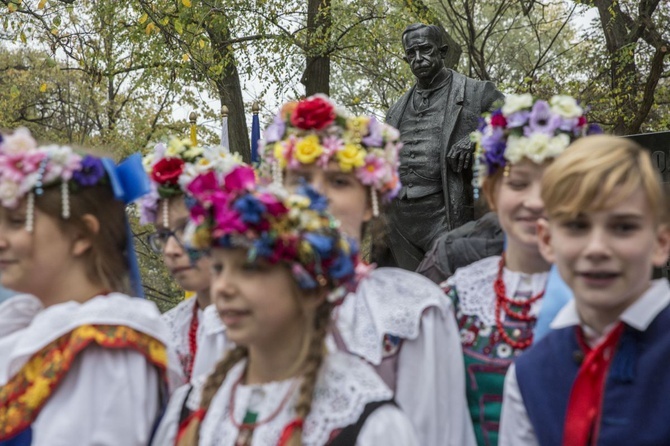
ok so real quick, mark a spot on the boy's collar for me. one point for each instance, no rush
(639, 315)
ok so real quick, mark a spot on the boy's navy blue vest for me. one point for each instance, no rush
(636, 402)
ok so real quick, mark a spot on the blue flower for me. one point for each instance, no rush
(90, 173)
(264, 245)
(494, 149)
(317, 202)
(250, 209)
(322, 244)
(374, 138)
(342, 267)
(517, 119)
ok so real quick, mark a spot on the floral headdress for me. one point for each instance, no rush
(234, 211)
(173, 166)
(523, 128)
(27, 169)
(313, 130)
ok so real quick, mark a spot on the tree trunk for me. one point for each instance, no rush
(316, 77)
(230, 94)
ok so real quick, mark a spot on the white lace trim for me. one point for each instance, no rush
(212, 322)
(388, 301)
(58, 320)
(345, 386)
(474, 285)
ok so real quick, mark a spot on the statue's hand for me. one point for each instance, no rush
(460, 155)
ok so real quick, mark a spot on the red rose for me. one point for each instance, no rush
(313, 113)
(498, 120)
(581, 122)
(167, 171)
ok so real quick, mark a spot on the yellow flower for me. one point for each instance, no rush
(353, 155)
(279, 154)
(358, 124)
(308, 149)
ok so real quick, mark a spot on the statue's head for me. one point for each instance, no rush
(425, 50)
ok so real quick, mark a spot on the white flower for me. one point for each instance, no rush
(485, 331)
(516, 148)
(19, 141)
(504, 351)
(193, 152)
(9, 194)
(148, 162)
(565, 106)
(467, 337)
(516, 102)
(557, 145)
(538, 145)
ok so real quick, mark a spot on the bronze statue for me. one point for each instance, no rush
(435, 118)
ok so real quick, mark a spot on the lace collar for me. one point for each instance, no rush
(344, 387)
(474, 286)
(387, 301)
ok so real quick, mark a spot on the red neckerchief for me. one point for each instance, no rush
(586, 397)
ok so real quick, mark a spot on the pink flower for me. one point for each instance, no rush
(331, 144)
(240, 178)
(373, 171)
(15, 166)
(273, 205)
(228, 221)
(21, 141)
(203, 186)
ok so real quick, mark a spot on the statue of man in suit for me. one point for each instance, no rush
(435, 118)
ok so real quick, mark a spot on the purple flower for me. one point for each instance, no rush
(494, 149)
(90, 173)
(542, 120)
(374, 138)
(517, 119)
(568, 125)
(594, 129)
(275, 131)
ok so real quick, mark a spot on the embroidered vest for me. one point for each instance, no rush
(635, 400)
(24, 396)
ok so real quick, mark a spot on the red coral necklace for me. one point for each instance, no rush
(192, 340)
(503, 303)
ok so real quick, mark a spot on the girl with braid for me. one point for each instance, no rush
(396, 320)
(279, 264)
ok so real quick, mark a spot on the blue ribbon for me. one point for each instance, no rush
(129, 182)
(556, 295)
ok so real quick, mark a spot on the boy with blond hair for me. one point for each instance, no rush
(598, 377)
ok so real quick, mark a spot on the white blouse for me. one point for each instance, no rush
(210, 337)
(344, 387)
(429, 377)
(109, 396)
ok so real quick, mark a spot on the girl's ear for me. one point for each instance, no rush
(83, 240)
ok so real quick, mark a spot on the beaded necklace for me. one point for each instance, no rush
(503, 302)
(192, 340)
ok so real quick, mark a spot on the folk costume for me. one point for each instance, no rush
(171, 167)
(90, 373)
(350, 403)
(495, 327)
(579, 388)
(77, 373)
(351, 406)
(396, 320)
(497, 309)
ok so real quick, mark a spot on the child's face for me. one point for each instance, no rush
(33, 263)
(518, 203)
(191, 277)
(348, 198)
(607, 256)
(256, 301)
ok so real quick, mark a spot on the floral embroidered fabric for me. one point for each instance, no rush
(486, 354)
(344, 387)
(22, 398)
(179, 321)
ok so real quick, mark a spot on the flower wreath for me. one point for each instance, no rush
(313, 130)
(523, 128)
(234, 211)
(173, 166)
